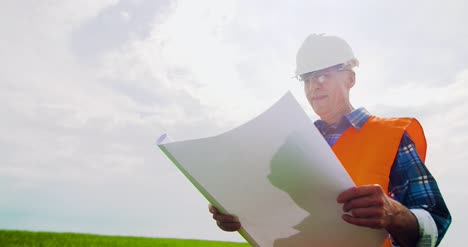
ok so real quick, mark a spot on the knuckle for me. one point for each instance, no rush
(357, 213)
(220, 217)
(356, 190)
(381, 223)
(377, 188)
(367, 201)
(380, 212)
(379, 202)
(230, 227)
(375, 224)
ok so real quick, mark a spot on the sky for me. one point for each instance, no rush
(87, 87)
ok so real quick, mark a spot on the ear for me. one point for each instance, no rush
(351, 79)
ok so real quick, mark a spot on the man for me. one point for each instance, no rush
(384, 156)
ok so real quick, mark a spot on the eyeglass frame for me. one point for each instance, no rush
(315, 75)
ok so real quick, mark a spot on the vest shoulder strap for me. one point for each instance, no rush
(369, 153)
(409, 125)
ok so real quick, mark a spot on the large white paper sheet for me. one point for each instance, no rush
(278, 175)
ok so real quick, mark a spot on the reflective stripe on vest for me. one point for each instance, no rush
(368, 154)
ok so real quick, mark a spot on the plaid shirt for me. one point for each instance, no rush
(411, 183)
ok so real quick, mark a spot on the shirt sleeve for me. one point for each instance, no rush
(427, 228)
(413, 185)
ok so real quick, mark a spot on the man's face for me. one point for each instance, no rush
(328, 91)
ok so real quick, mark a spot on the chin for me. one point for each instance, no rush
(318, 110)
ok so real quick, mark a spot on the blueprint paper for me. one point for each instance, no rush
(278, 175)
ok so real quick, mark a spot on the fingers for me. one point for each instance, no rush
(363, 202)
(229, 226)
(369, 206)
(224, 221)
(376, 223)
(224, 218)
(360, 191)
(375, 212)
(212, 209)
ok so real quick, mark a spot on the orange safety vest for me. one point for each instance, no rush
(368, 154)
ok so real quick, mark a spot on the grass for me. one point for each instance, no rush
(11, 238)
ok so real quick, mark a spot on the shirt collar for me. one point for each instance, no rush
(356, 118)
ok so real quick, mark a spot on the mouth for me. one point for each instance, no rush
(320, 97)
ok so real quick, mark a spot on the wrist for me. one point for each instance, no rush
(403, 225)
(401, 218)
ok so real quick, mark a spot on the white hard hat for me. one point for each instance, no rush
(322, 51)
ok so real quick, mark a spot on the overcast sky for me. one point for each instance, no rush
(88, 86)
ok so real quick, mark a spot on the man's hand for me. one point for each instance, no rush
(225, 222)
(371, 207)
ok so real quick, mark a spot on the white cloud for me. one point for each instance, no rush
(187, 60)
(78, 136)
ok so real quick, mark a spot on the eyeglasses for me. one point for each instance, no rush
(321, 76)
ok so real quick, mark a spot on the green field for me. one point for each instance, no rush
(51, 239)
